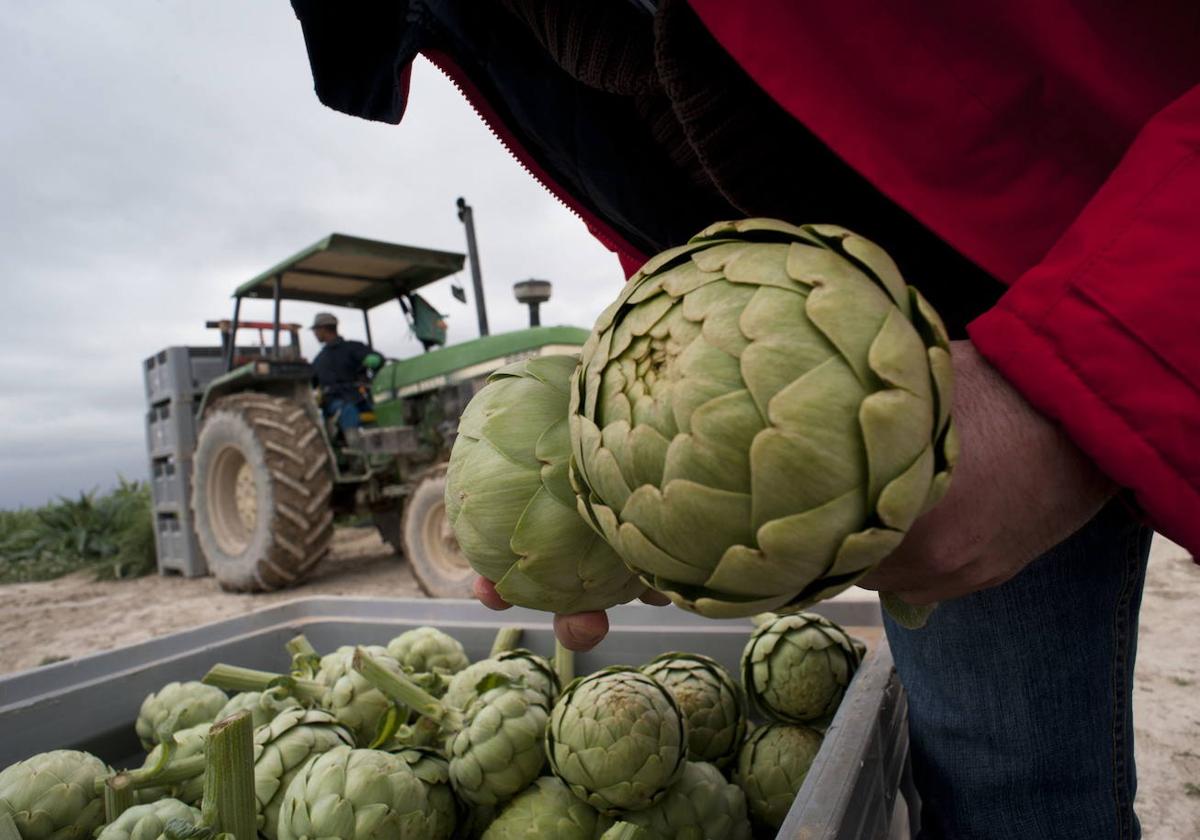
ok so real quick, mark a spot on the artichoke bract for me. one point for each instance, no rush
(351, 794)
(761, 415)
(510, 502)
(711, 700)
(263, 706)
(428, 650)
(498, 752)
(702, 805)
(52, 795)
(434, 772)
(796, 668)
(547, 809)
(771, 768)
(618, 739)
(149, 821)
(177, 706)
(281, 748)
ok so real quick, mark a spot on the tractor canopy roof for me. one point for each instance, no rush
(350, 271)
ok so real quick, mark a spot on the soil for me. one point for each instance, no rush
(46, 622)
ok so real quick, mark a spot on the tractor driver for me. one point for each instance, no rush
(340, 371)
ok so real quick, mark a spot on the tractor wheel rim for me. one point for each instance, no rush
(441, 543)
(232, 499)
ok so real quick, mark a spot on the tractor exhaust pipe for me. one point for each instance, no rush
(467, 217)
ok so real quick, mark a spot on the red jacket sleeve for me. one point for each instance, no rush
(1103, 335)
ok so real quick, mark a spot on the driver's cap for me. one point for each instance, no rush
(324, 319)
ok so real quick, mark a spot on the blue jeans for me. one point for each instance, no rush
(1021, 696)
(350, 411)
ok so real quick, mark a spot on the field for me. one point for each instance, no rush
(51, 620)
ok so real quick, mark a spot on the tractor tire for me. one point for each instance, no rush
(261, 493)
(433, 554)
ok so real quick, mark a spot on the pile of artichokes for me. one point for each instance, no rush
(753, 425)
(355, 745)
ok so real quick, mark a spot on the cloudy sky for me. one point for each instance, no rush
(156, 153)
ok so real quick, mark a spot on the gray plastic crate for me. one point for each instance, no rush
(858, 787)
(176, 372)
(175, 541)
(171, 428)
(171, 483)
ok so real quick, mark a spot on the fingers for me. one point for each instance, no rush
(581, 631)
(485, 591)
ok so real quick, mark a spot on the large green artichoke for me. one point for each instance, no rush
(618, 739)
(498, 752)
(348, 794)
(535, 670)
(702, 805)
(263, 706)
(281, 748)
(357, 704)
(761, 415)
(711, 700)
(771, 768)
(796, 668)
(547, 809)
(428, 650)
(510, 501)
(177, 706)
(149, 821)
(188, 742)
(52, 795)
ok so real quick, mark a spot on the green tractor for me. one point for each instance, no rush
(271, 472)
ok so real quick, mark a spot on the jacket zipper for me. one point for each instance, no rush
(599, 229)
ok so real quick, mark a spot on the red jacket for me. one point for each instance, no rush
(1056, 143)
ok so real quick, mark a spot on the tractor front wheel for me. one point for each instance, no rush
(433, 554)
(261, 492)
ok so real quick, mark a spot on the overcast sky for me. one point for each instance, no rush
(154, 154)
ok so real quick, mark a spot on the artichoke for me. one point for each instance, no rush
(796, 668)
(547, 809)
(712, 703)
(149, 821)
(771, 768)
(535, 670)
(352, 794)
(510, 501)
(761, 415)
(434, 772)
(498, 751)
(618, 739)
(631, 831)
(177, 706)
(281, 748)
(188, 742)
(357, 704)
(52, 795)
(263, 706)
(428, 650)
(702, 805)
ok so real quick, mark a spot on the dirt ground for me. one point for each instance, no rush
(42, 622)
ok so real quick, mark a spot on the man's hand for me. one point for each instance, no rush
(1020, 487)
(578, 631)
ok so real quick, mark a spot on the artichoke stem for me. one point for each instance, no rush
(233, 678)
(8, 828)
(404, 691)
(564, 663)
(506, 639)
(300, 646)
(161, 774)
(118, 796)
(229, 803)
